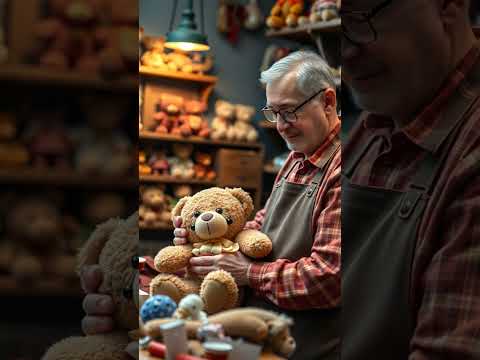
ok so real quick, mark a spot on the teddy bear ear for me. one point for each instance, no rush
(244, 198)
(90, 252)
(177, 210)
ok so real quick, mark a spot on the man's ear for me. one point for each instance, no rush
(330, 101)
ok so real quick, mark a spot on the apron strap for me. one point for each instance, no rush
(351, 165)
(318, 178)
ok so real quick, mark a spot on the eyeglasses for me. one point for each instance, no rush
(287, 116)
(357, 26)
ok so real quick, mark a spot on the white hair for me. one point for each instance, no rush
(312, 71)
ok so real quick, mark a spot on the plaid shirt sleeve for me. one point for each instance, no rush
(314, 281)
(448, 318)
(257, 222)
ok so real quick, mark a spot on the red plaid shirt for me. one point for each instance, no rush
(445, 280)
(314, 281)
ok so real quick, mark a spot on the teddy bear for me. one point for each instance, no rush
(168, 110)
(12, 152)
(285, 12)
(153, 210)
(158, 163)
(203, 166)
(143, 167)
(113, 246)
(193, 122)
(214, 219)
(242, 128)
(190, 308)
(224, 115)
(39, 235)
(324, 10)
(181, 165)
(259, 326)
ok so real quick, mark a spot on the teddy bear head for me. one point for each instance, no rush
(182, 151)
(153, 196)
(172, 104)
(214, 213)
(195, 107)
(244, 113)
(279, 337)
(113, 246)
(224, 109)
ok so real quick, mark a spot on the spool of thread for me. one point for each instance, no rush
(156, 349)
(217, 350)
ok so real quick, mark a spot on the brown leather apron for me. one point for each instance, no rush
(288, 222)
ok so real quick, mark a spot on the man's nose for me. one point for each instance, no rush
(281, 124)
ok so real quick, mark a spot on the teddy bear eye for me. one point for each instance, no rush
(192, 227)
(219, 210)
(128, 293)
(134, 262)
(229, 221)
(197, 213)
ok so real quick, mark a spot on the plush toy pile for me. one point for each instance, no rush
(214, 219)
(232, 122)
(89, 35)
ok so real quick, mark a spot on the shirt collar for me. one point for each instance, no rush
(323, 153)
(430, 128)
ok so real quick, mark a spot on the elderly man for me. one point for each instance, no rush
(411, 182)
(302, 215)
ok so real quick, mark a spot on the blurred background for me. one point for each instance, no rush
(68, 140)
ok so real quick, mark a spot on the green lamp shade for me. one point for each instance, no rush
(187, 40)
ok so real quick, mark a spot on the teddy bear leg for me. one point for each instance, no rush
(173, 286)
(98, 347)
(219, 291)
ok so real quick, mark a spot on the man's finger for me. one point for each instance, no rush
(179, 241)
(90, 278)
(92, 325)
(97, 304)
(204, 260)
(180, 232)
(202, 270)
(177, 221)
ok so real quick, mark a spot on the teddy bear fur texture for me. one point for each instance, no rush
(214, 219)
(113, 246)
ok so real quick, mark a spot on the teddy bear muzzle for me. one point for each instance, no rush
(210, 225)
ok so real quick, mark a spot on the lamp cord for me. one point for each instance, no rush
(172, 18)
(202, 18)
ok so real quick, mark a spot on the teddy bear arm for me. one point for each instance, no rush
(254, 243)
(245, 326)
(173, 258)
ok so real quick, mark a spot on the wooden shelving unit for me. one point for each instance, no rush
(178, 75)
(173, 180)
(40, 177)
(196, 140)
(304, 33)
(38, 75)
(270, 169)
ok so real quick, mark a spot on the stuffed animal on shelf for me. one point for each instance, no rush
(113, 246)
(243, 129)
(224, 116)
(259, 326)
(38, 233)
(158, 163)
(181, 165)
(285, 13)
(12, 152)
(214, 219)
(324, 10)
(193, 121)
(203, 166)
(153, 210)
(168, 110)
(143, 167)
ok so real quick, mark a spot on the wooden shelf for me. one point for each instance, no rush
(49, 177)
(270, 169)
(9, 286)
(177, 75)
(303, 33)
(173, 180)
(264, 124)
(36, 74)
(197, 140)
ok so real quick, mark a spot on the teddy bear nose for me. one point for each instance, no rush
(207, 216)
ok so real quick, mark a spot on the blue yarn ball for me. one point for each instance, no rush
(157, 307)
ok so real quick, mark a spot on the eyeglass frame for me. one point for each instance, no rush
(294, 111)
(367, 17)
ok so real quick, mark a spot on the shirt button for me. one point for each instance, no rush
(406, 207)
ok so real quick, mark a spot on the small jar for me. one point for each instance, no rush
(217, 350)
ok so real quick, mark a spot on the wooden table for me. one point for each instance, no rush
(144, 355)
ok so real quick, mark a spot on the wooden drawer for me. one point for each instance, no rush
(242, 168)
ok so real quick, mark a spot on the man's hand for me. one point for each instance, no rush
(98, 307)
(236, 264)
(180, 234)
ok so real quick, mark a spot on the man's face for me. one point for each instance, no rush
(401, 71)
(312, 126)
